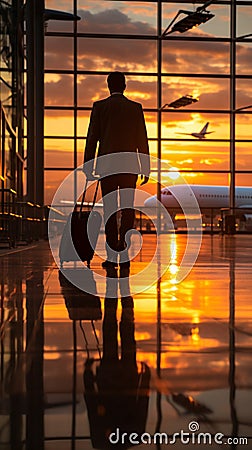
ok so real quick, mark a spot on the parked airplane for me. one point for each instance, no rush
(216, 197)
(207, 196)
(201, 134)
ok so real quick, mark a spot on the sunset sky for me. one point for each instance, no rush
(190, 57)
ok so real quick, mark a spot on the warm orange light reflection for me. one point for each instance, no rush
(195, 334)
(142, 336)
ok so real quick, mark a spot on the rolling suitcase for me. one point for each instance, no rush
(82, 229)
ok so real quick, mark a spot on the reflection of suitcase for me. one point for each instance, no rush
(80, 234)
(81, 305)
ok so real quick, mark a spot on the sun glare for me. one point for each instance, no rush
(173, 173)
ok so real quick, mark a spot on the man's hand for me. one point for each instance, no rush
(89, 174)
(144, 180)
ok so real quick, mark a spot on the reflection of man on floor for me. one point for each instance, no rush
(117, 394)
(117, 123)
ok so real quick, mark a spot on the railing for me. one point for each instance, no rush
(32, 222)
(214, 220)
(24, 222)
(237, 220)
(20, 222)
(8, 217)
(7, 193)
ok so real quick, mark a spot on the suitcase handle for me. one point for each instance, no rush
(84, 193)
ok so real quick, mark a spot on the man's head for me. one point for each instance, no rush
(116, 82)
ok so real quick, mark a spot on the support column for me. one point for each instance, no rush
(31, 143)
(35, 100)
(39, 93)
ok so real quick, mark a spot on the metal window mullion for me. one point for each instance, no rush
(75, 93)
(232, 102)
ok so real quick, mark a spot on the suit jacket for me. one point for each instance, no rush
(117, 123)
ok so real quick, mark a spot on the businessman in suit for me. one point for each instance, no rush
(118, 125)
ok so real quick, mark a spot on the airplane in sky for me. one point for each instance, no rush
(201, 134)
(215, 197)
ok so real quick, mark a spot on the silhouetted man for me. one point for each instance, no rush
(117, 123)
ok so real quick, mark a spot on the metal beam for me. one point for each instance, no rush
(31, 143)
(232, 104)
(39, 95)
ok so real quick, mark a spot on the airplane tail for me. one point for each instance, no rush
(204, 129)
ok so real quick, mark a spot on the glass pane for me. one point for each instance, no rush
(58, 153)
(94, 87)
(117, 17)
(196, 155)
(243, 151)
(62, 26)
(65, 5)
(243, 25)
(243, 126)
(244, 58)
(243, 179)
(181, 126)
(243, 95)
(58, 90)
(195, 57)
(80, 151)
(151, 124)
(58, 53)
(213, 93)
(59, 123)
(127, 55)
(153, 148)
(217, 26)
(143, 90)
(82, 123)
(202, 178)
(53, 179)
(91, 88)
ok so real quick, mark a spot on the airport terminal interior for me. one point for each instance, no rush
(158, 353)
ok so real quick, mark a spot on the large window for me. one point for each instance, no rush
(202, 62)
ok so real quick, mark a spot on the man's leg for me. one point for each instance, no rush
(110, 204)
(128, 182)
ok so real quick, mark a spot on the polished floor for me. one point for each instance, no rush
(154, 352)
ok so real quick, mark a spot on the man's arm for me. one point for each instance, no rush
(143, 147)
(93, 137)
